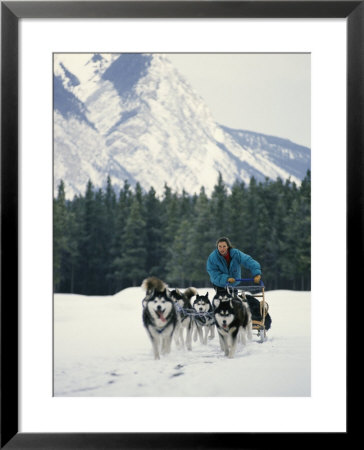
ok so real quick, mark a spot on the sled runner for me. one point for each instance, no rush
(249, 292)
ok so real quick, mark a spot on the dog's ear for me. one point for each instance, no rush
(144, 303)
(207, 295)
(216, 301)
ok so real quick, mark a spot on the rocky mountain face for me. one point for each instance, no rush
(134, 117)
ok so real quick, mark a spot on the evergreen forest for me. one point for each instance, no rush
(105, 241)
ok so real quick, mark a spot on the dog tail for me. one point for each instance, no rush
(190, 292)
(151, 284)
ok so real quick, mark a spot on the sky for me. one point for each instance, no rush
(265, 93)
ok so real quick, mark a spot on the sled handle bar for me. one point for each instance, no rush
(247, 280)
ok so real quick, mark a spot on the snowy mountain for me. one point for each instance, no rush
(134, 117)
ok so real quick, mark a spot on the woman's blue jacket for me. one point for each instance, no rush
(219, 271)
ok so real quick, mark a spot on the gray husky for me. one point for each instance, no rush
(185, 318)
(159, 315)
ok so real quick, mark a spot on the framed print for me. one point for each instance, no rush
(136, 238)
(39, 411)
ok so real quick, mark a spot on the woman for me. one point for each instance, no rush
(224, 265)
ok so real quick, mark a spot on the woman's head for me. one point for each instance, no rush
(223, 245)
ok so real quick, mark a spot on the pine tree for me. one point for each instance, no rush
(154, 244)
(219, 207)
(272, 270)
(264, 245)
(88, 243)
(237, 215)
(179, 267)
(60, 242)
(201, 240)
(122, 211)
(304, 229)
(110, 234)
(186, 206)
(101, 242)
(74, 261)
(131, 264)
(251, 212)
(170, 223)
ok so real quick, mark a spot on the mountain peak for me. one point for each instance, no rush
(151, 127)
(126, 71)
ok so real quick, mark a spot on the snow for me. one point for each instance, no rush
(101, 349)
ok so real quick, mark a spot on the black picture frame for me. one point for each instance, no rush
(11, 13)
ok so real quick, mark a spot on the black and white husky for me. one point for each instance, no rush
(232, 319)
(182, 301)
(204, 318)
(159, 315)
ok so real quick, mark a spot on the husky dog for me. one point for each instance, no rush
(183, 306)
(232, 318)
(204, 319)
(159, 315)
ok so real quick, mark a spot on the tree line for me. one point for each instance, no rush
(105, 241)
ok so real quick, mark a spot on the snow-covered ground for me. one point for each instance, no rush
(102, 349)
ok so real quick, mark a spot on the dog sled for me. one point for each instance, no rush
(250, 292)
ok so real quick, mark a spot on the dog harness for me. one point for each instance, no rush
(202, 318)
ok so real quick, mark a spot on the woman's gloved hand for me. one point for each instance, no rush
(231, 280)
(257, 279)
